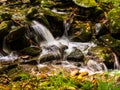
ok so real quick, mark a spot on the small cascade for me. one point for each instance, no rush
(116, 62)
(52, 49)
(1, 55)
(11, 57)
(41, 30)
(6, 48)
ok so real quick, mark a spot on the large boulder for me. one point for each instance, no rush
(5, 28)
(16, 39)
(102, 54)
(112, 43)
(32, 12)
(114, 22)
(75, 55)
(80, 31)
(16, 34)
(19, 44)
(50, 53)
(32, 51)
(56, 22)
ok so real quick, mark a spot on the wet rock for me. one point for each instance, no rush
(112, 43)
(114, 22)
(19, 44)
(31, 51)
(30, 61)
(48, 57)
(15, 34)
(85, 3)
(55, 21)
(47, 3)
(81, 32)
(26, 1)
(50, 53)
(5, 16)
(100, 29)
(96, 13)
(6, 68)
(5, 28)
(31, 13)
(75, 55)
(102, 54)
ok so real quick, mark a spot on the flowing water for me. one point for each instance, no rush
(59, 49)
(50, 41)
(9, 58)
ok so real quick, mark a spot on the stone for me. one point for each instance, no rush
(5, 28)
(55, 21)
(25, 1)
(75, 55)
(15, 34)
(50, 53)
(47, 3)
(19, 44)
(31, 51)
(114, 22)
(31, 13)
(80, 31)
(5, 16)
(112, 43)
(102, 54)
(85, 3)
(100, 29)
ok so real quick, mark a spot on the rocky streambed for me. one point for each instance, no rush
(45, 37)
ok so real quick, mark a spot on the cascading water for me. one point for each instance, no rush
(43, 31)
(9, 58)
(51, 45)
(10, 55)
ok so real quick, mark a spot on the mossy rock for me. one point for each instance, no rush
(5, 28)
(114, 22)
(102, 54)
(80, 31)
(112, 43)
(85, 3)
(19, 44)
(100, 29)
(16, 34)
(97, 13)
(5, 16)
(32, 12)
(55, 21)
(76, 55)
(31, 51)
(47, 3)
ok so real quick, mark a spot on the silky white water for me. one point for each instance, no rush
(46, 45)
(50, 45)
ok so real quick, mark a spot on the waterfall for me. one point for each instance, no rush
(52, 48)
(6, 48)
(116, 62)
(41, 30)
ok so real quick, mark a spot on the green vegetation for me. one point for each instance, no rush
(61, 82)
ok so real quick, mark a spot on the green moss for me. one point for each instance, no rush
(86, 3)
(31, 51)
(5, 28)
(47, 3)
